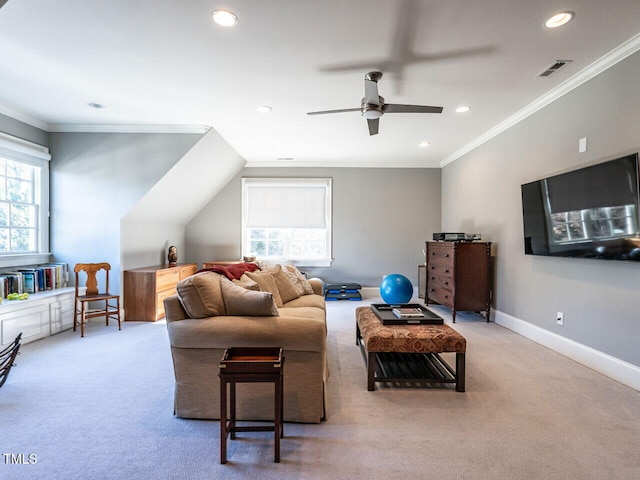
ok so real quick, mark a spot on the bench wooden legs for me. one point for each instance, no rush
(460, 371)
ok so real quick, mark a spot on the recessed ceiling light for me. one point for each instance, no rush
(424, 144)
(264, 108)
(559, 19)
(97, 106)
(463, 109)
(224, 18)
(278, 144)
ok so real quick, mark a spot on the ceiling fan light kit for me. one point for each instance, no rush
(372, 106)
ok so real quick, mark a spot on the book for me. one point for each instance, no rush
(407, 312)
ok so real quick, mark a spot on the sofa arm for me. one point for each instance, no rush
(317, 285)
(290, 333)
(173, 309)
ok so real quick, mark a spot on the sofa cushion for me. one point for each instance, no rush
(285, 286)
(240, 301)
(201, 295)
(245, 282)
(300, 283)
(267, 284)
(316, 301)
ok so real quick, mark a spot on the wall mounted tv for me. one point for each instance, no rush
(592, 212)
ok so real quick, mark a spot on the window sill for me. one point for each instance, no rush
(300, 262)
(7, 261)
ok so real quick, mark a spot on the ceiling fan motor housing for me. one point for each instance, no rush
(371, 111)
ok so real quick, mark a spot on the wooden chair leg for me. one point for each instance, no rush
(118, 307)
(82, 318)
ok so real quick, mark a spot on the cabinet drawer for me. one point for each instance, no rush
(441, 295)
(440, 270)
(187, 271)
(441, 255)
(160, 301)
(445, 281)
(167, 279)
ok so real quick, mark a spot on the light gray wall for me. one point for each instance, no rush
(481, 193)
(95, 179)
(381, 219)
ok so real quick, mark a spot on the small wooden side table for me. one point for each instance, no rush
(246, 365)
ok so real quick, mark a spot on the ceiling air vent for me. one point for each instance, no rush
(553, 68)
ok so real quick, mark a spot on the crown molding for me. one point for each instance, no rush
(339, 164)
(107, 128)
(605, 62)
(21, 117)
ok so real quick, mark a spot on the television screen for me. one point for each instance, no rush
(592, 212)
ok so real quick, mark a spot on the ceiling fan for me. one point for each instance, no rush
(373, 107)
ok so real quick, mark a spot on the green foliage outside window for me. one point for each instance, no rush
(18, 207)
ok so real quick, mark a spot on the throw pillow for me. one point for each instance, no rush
(285, 286)
(267, 284)
(201, 296)
(245, 282)
(299, 281)
(240, 301)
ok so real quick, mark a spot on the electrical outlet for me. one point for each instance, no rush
(560, 318)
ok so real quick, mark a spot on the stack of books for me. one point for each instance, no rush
(34, 279)
(408, 312)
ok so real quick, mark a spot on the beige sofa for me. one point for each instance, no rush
(211, 313)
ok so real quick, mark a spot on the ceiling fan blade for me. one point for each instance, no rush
(373, 125)
(371, 92)
(395, 108)
(335, 111)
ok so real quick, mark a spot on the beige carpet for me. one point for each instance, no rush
(101, 407)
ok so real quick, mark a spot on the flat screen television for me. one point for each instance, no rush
(592, 212)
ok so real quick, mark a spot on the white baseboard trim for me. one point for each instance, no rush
(619, 370)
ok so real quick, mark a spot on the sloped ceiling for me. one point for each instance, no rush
(198, 176)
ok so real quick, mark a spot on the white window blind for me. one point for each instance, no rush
(296, 206)
(287, 218)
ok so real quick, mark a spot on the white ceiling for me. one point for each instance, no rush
(164, 62)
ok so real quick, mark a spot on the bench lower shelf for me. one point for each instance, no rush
(412, 369)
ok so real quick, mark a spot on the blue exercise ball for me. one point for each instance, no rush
(396, 288)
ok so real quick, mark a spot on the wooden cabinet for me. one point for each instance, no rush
(220, 263)
(146, 288)
(459, 276)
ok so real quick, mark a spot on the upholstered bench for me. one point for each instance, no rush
(409, 353)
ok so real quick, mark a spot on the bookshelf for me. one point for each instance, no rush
(48, 308)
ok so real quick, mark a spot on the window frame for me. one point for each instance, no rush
(325, 182)
(23, 151)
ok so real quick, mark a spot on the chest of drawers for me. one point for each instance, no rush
(459, 276)
(146, 288)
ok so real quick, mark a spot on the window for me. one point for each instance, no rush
(24, 208)
(287, 219)
(594, 224)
